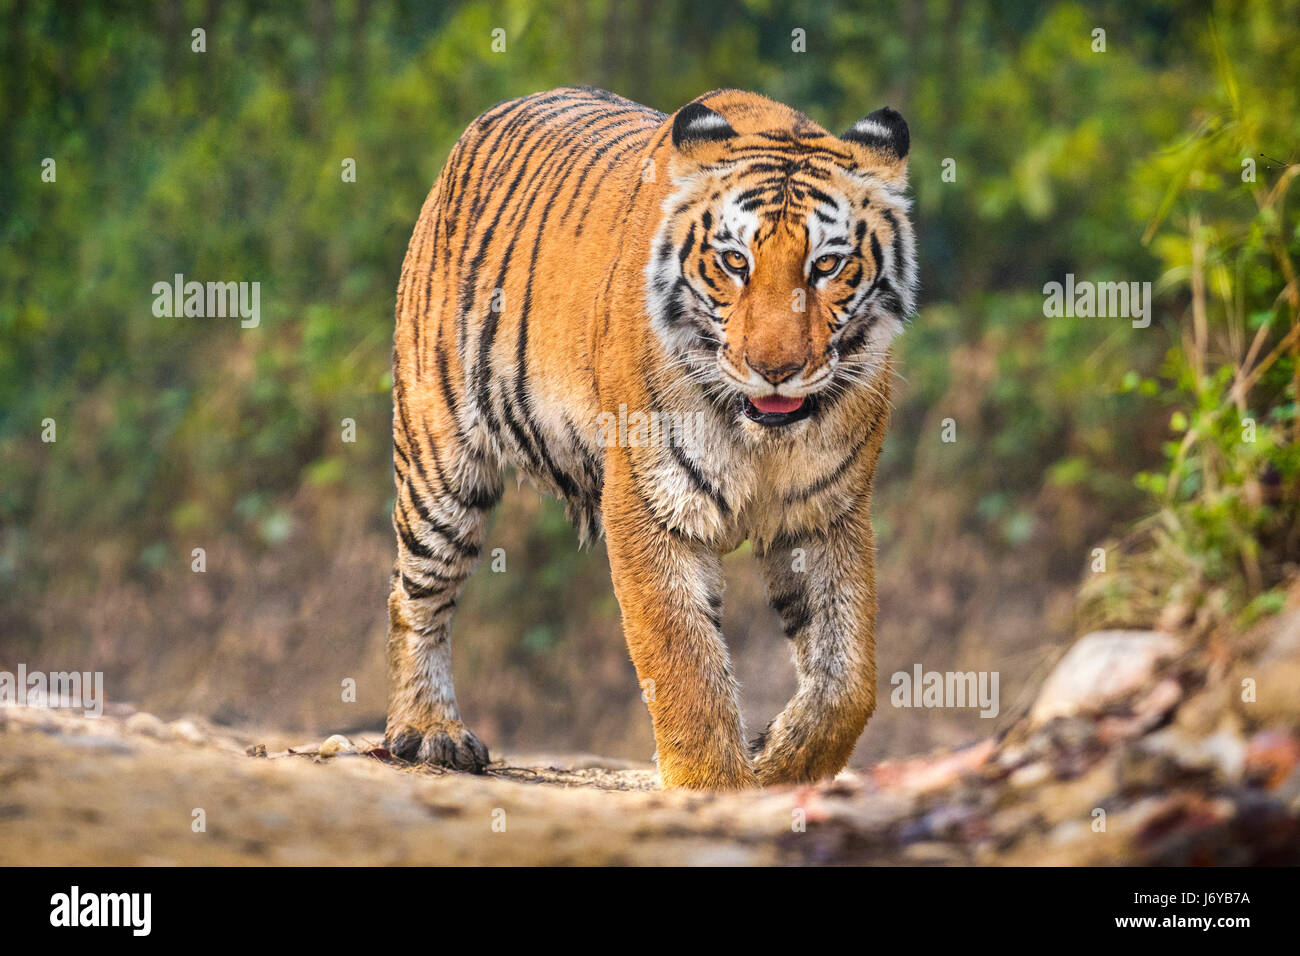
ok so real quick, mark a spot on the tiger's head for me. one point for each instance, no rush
(784, 263)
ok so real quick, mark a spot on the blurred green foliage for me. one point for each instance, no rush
(225, 165)
(1229, 528)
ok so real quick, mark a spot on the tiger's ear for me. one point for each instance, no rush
(884, 137)
(696, 127)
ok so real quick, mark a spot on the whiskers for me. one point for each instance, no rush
(693, 374)
(696, 369)
(861, 370)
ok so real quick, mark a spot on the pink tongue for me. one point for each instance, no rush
(776, 404)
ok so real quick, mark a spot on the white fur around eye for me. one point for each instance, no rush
(816, 276)
(827, 239)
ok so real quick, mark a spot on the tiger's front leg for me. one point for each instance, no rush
(669, 588)
(823, 587)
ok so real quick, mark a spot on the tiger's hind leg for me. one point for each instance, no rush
(444, 491)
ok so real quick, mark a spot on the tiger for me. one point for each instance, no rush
(581, 259)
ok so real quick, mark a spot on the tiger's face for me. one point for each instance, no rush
(784, 265)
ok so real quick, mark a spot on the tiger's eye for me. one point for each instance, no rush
(735, 261)
(825, 265)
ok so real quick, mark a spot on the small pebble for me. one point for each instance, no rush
(335, 745)
(1030, 775)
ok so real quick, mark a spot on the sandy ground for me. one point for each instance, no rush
(1140, 748)
(126, 788)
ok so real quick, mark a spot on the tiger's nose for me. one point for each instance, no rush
(776, 374)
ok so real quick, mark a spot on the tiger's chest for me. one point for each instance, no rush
(727, 486)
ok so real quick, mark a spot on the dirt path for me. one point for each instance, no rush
(1140, 748)
(128, 789)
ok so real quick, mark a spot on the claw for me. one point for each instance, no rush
(445, 744)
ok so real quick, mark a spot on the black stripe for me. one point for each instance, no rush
(522, 123)
(651, 148)
(444, 606)
(592, 159)
(896, 247)
(467, 297)
(832, 477)
(488, 330)
(687, 247)
(532, 447)
(853, 274)
(417, 592)
(478, 502)
(448, 395)
(821, 197)
(793, 610)
(413, 544)
(698, 479)
(465, 549)
(680, 456)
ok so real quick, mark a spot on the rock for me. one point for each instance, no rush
(1148, 711)
(186, 730)
(1013, 756)
(718, 854)
(1100, 669)
(335, 745)
(1145, 770)
(1030, 775)
(874, 813)
(1271, 757)
(1070, 745)
(1222, 754)
(933, 772)
(1227, 752)
(1152, 707)
(142, 722)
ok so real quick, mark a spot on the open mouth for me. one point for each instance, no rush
(775, 410)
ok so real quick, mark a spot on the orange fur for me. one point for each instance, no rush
(563, 273)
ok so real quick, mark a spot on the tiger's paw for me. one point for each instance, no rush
(724, 771)
(439, 743)
(777, 762)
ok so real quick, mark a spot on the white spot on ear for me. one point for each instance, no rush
(706, 122)
(869, 127)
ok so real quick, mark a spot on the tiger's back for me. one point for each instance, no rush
(535, 189)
